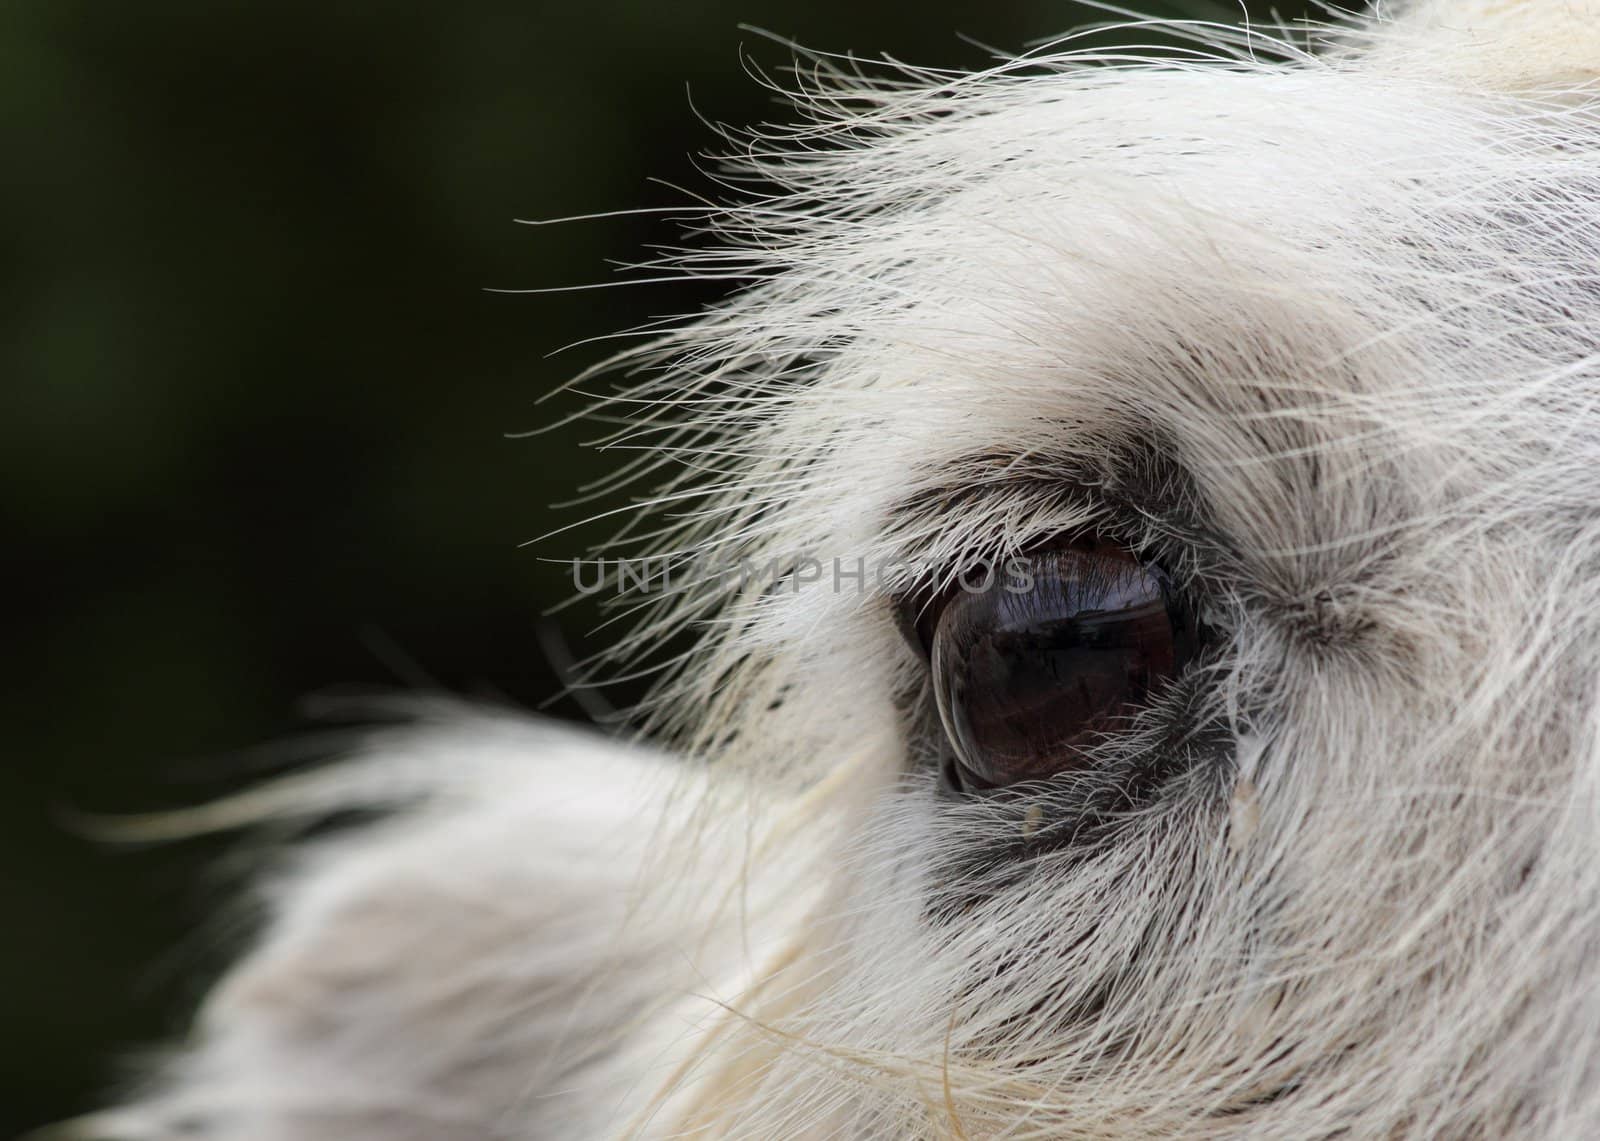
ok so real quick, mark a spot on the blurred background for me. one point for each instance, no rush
(256, 422)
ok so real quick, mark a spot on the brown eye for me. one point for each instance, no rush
(1027, 679)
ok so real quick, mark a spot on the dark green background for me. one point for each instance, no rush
(257, 394)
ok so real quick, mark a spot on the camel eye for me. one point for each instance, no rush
(1027, 679)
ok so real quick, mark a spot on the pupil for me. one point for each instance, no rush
(1027, 681)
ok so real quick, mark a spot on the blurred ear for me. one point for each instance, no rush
(1513, 46)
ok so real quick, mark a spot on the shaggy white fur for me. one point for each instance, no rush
(1322, 330)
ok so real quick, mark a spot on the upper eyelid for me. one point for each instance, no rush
(917, 607)
(1136, 494)
(1140, 467)
(1124, 495)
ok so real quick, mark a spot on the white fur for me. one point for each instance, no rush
(1356, 295)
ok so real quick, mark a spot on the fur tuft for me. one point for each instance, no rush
(1336, 314)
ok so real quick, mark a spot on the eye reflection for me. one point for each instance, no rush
(1026, 680)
